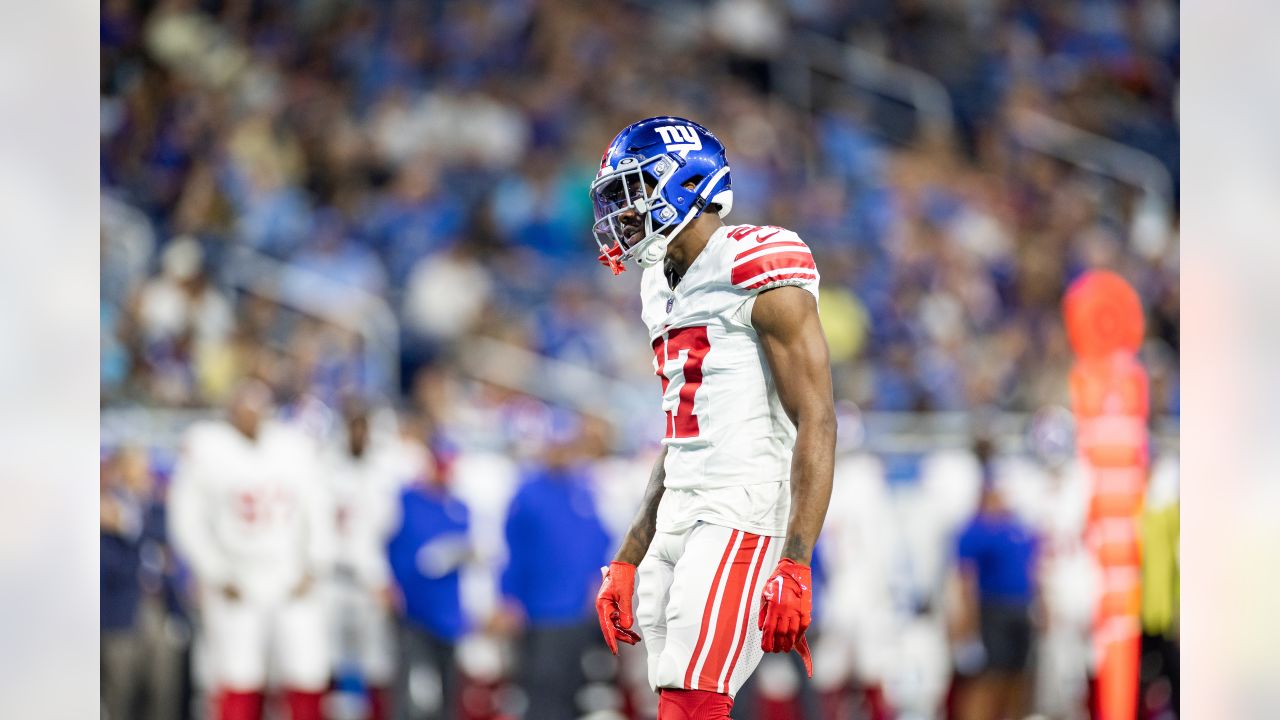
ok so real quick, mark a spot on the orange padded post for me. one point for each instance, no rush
(1109, 395)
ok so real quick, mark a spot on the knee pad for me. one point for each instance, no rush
(678, 704)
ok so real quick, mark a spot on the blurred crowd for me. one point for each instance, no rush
(433, 158)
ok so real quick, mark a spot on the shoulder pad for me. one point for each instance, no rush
(766, 257)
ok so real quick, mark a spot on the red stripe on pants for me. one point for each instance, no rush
(746, 616)
(727, 620)
(706, 610)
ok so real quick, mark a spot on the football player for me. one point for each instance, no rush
(719, 551)
(249, 513)
(365, 474)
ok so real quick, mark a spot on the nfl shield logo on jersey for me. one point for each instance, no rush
(670, 302)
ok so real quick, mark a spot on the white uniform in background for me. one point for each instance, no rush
(485, 482)
(930, 515)
(856, 622)
(365, 493)
(1056, 503)
(620, 485)
(255, 514)
(927, 515)
(856, 606)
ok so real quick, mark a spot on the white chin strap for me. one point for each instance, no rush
(655, 249)
(655, 245)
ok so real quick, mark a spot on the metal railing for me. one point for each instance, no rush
(551, 380)
(362, 313)
(1097, 154)
(860, 69)
(882, 433)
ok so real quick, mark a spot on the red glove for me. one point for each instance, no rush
(786, 610)
(613, 604)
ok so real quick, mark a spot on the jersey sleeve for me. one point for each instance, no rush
(763, 258)
(769, 258)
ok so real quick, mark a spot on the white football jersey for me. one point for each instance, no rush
(365, 494)
(728, 439)
(255, 513)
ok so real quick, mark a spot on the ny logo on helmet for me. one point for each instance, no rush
(680, 138)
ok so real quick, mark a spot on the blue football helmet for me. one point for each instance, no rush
(639, 195)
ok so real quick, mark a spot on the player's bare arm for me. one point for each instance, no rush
(613, 603)
(636, 542)
(790, 333)
(786, 320)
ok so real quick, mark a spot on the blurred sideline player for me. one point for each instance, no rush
(250, 514)
(1051, 489)
(997, 564)
(730, 517)
(364, 480)
(857, 637)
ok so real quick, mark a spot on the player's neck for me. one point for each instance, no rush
(689, 244)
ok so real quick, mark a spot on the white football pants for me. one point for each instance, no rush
(698, 604)
(249, 641)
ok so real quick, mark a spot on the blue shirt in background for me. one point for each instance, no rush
(124, 564)
(425, 556)
(556, 546)
(118, 583)
(1002, 550)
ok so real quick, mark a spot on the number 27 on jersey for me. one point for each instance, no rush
(679, 353)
